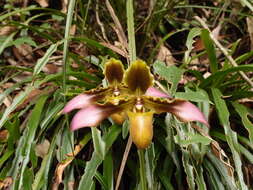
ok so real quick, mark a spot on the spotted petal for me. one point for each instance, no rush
(138, 77)
(182, 109)
(86, 99)
(114, 71)
(92, 115)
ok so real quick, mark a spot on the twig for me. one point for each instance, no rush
(123, 162)
(100, 23)
(150, 11)
(224, 51)
(122, 36)
(116, 49)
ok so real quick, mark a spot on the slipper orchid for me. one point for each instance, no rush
(129, 94)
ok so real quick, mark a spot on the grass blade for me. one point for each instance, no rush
(41, 177)
(108, 170)
(99, 144)
(6, 42)
(231, 136)
(71, 7)
(18, 100)
(130, 29)
(44, 60)
(243, 112)
(208, 43)
(91, 167)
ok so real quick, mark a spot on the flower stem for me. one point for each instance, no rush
(142, 170)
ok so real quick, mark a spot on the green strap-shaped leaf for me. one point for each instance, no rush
(130, 28)
(189, 169)
(6, 42)
(91, 166)
(213, 176)
(41, 177)
(108, 170)
(44, 60)
(17, 101)
(231, 136)
(208, 43)
(217, 78)
(23, 152)
(221, 168)
(189, 43)
(243, 112)
(99, 144)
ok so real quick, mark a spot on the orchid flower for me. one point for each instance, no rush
(129, 95)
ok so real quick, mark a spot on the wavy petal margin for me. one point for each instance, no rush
(182, 109)
(138, 77)
(114, 71)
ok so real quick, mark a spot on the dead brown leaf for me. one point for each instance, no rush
(33, 94)
(72, 30)
(248, 102)
(165, 55)
(42, 3)
(7, 100)
(4, 134)
(41, 149)
(221, 155)
(121, 34)
(50, 68)
(7, 85)
(250, 30)
(71, 185)
(6, 30)
(115, 49)
(64, 4)
(23, 52)
(198, 45)
(6, 183)
(249, 174)
(217, 150)
(62, 165)
(12, 61)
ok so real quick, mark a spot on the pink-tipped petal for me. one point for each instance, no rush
(78, 102)
(90, 116)
(187, 111)
(183, 109)
(152, 91)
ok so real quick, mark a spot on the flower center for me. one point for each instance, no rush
(116, 91)
(138, 107)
